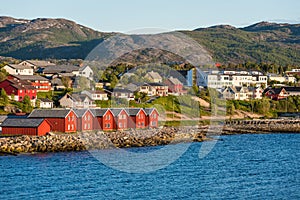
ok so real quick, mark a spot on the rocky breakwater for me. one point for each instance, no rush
(100, 140)
(262, 126)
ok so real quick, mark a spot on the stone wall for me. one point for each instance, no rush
(99, 140)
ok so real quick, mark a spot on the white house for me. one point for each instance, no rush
(235, 93)
(95, 95)
(76, 101)
(18, 69)
(36, 64)
(154, 77)
(45, 103)
(220, 79)
(86, 71)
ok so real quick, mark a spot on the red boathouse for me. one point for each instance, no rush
(84, 120)
(60, 120)
(25, 126)
(152, 117)
(137, 118)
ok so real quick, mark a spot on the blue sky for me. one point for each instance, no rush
(124, 16)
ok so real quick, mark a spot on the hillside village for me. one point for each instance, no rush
(31, 85)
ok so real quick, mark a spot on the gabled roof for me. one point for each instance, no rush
(30, 77)
(78, 97)
(154, 75)
(148, 111)
(45, 100)
(22, 84)
(116, 111)
(292, 89)
(155, 84)
(83, 68)
(81, 112)
(134, 111)
(121, 90)
(40, 63)
(14, 66)
(60, 69)
(174, 81)
(99, 112)
(24, 122)
(51, 113)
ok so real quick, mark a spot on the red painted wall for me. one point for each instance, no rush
(108, 122)
(57, 124)
(152, 120)
(44, 128)
(141, 119)
(71, 123)
(85, 123)
(121, 121)
(40, 131)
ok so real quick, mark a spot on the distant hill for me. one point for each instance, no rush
(261, 42)
(60, 38)
(46, 38)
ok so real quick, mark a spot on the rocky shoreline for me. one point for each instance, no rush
(140, 138)
(99, 140)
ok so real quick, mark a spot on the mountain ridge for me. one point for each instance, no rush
(60, 38)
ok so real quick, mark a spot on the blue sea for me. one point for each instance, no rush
(258, 166)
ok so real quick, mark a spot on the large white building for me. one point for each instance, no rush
(18, 69)
(220, 79)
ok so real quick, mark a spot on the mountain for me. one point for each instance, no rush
(64, 39)
(261, 42)
(46, 38)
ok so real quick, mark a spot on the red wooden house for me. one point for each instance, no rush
(85, 119)
(120, 118)
(40, 83)
(137, 118)
(19, 89)
(276, 93)
(60, 120)
(103, 119)
(175, 86)
(152, 117)
(25, 126)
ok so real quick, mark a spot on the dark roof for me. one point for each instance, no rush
(22, 84)
(80, 112)
(133, 111)
(116, 111)
(17, 66)
(99, 112)
(154, 84)
(60, 69)
(148, 111)
(120, 90)
(51, 113)
(30, 77)
(292, 89)
(45, 100)
(25, 122)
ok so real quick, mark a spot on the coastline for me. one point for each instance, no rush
(57, 142)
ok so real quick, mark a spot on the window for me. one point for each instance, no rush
(154, 123)
(120, 125)
(69, 118)
(68, 127)
(107, 117)
(73, 118)
(89, 126)
(89, 117)
(85, 126)
(107, 125)
(84, 117)
(72, 127)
